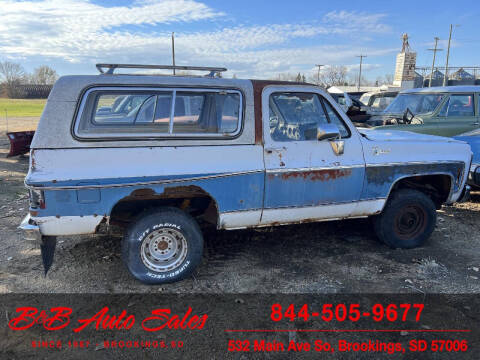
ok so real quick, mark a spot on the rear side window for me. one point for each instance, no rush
(151, 113)
(458, 105)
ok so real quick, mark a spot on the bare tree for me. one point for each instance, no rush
(314, 79)
(388, 79)
(44, 75)
(334, 75)
(12, 75)
(11, 72)
(353, 80)
(286, 77)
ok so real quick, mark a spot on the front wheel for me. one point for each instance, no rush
(162, 246)
(407, 220)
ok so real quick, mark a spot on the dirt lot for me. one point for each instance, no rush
(325, 257)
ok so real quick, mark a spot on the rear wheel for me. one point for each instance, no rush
(162, 246)
(407, 220)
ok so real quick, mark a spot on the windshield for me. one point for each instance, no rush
(364, 98)
(417, 103)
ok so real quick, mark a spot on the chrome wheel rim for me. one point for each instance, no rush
(164, 249)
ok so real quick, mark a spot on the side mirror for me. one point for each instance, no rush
(327, 132)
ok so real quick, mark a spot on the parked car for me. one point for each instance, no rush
(352, 107)
(342, 98)
(445, 111)
(235, 154)
(356, 95)
(473, 139)
(376, 102)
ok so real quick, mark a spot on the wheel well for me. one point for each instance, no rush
(191, 199)
(437, 187)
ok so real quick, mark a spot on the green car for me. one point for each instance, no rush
(444, 111)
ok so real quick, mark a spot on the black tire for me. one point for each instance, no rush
(156, 235)
(407, 221)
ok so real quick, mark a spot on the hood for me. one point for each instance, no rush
(384, 115)
(397, 135)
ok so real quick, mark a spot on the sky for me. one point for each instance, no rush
(253, 39)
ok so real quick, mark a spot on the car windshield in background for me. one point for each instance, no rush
(417, 103)
(381, 102)
(339, 98)
(364, 98)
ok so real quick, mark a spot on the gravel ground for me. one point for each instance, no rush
(330, 257)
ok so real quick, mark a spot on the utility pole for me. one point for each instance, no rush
(318, 74)
(173, 52)
(433, 62)
(445, 78)
(360, 72)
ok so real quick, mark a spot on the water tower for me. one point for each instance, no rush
(405, 66)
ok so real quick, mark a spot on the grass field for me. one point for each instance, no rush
(21, 107)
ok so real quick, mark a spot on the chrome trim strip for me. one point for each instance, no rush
(306, 206)
(142, 183)
(284, 170)
(415, 163)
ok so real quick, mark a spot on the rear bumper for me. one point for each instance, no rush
(30, 229)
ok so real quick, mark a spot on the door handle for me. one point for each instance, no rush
(271, 150)
(476, 123)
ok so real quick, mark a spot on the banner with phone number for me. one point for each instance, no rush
(234, 326)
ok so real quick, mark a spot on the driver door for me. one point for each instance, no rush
(306, 179)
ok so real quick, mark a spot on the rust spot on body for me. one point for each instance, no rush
(142, 193)
(32, 157)
(315, 175)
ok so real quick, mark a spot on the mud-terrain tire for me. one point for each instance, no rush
(162, 246)
(407, 220)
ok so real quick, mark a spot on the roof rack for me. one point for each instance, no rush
(110, 68)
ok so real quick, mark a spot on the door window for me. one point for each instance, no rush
(334, 118)
(296, 116)
(458, 105)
